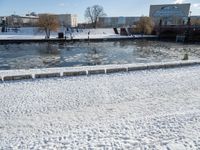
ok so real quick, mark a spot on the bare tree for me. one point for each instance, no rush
(48, 23)
(93, 13)
(195, 21)
(144, 26)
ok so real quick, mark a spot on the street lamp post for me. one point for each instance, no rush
(188, 27)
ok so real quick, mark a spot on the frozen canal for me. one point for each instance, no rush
(43, 55)
(158, 109)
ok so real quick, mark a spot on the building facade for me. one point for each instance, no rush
(68, 20)
(116, 22)
(170, 14)
(65, 20)
(1, 19)
(19, 21)
(32, 20)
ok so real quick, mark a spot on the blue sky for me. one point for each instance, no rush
(111, 7)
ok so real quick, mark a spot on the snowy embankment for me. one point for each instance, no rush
(29, 33)
(33, 33)
(150, 109)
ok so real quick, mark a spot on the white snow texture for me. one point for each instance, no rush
(157, 109)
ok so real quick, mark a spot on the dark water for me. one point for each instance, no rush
(42, 55)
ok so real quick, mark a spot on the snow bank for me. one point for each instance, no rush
(26, 33)
(33, 33)
(157, 109)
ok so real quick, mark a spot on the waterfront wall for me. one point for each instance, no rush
(120, 38)
(33, 74)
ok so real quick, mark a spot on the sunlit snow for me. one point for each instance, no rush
(157, 109)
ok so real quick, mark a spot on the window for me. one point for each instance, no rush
(169, 11)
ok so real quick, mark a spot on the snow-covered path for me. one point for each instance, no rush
(157, 109)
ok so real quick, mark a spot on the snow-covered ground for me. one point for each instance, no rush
(33, 33)
(158, 109)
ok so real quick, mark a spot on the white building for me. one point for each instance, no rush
(15, 20)
(68, 20)
(29, 19)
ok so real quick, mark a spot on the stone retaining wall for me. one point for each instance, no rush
(98, 70)
(18, 77)
(47, 75)
(77, 40)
